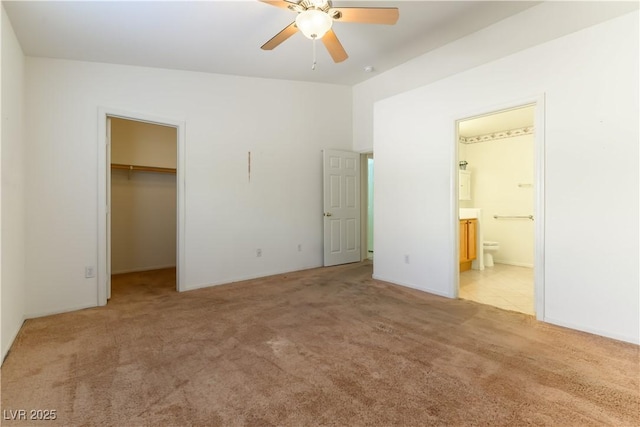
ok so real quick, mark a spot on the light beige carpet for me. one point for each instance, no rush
(320, 347)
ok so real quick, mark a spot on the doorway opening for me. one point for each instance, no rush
(141, 198)
(498, 168)
(367, 203)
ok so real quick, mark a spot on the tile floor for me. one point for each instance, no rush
(505, 286)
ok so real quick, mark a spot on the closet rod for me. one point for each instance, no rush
(142, 168)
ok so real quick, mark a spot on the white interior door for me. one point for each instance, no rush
(341, 178)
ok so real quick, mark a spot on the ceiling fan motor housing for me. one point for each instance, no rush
(323, 5)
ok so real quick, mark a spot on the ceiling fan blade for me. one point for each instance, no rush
(334, 46)
(288, 31)
(366, 15)
(280, 3)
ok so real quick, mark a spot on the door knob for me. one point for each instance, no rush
(327, 214)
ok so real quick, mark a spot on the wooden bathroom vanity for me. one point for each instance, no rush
(468, 251)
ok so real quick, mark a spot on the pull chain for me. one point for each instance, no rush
(313, 66)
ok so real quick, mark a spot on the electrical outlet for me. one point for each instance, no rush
(258, 253)
(299, 247)
(89, 271)
(406, 259)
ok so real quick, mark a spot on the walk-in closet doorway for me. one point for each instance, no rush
(142, 239)
(143, 203)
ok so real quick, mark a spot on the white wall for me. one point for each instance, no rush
(12, 277)
(283, 124)
(546, 21)
(143, 221)
(499, 169)
(144, 144)
(590, 83)
(143, 204)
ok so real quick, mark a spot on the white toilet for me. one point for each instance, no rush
(489, 248)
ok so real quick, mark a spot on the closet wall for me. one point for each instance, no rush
(143, 203)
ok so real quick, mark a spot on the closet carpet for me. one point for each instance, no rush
(327, 346)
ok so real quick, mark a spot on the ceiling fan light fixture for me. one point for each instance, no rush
(313, 23)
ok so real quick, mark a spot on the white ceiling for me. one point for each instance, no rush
(225, 36)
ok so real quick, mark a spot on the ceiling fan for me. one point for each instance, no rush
(315, 18)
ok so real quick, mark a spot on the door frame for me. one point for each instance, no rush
(539, 206)
(104, 171)
(364, 203)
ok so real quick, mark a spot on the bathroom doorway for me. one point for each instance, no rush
(496, 207)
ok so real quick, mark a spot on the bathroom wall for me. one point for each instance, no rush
(502, 174)
(462, 155)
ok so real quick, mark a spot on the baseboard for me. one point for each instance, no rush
(249, 277)
(142, 269)
(6, 352)
(411, 286)
(599, 332)
(52, 312)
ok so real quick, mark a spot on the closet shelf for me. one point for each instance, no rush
(138, 168)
